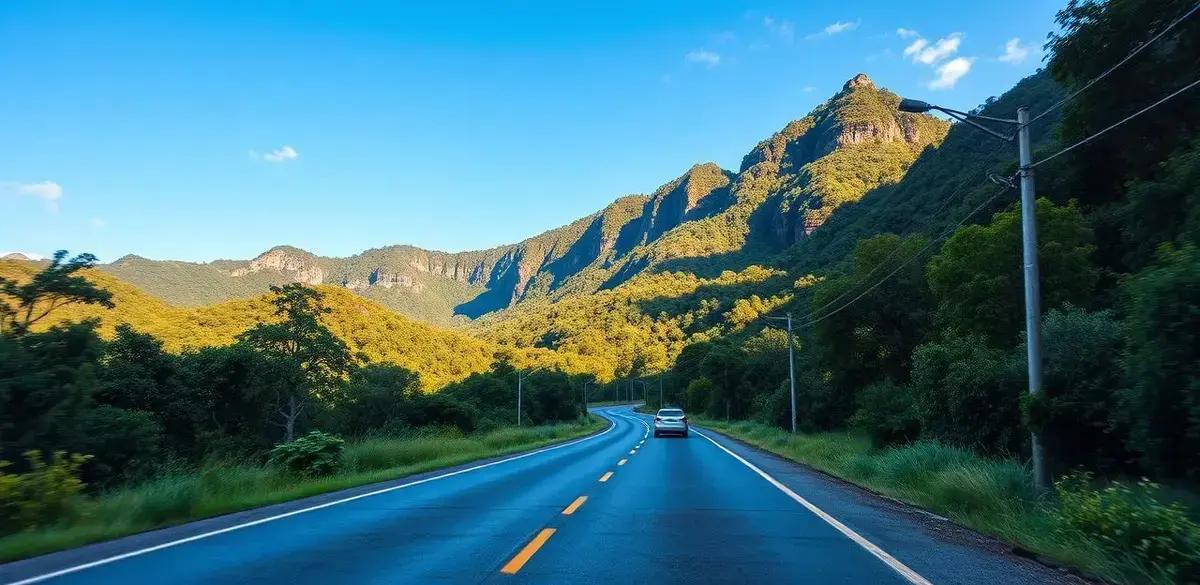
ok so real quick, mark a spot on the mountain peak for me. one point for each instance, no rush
(860, 80)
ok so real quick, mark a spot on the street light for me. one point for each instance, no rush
(1033, 309)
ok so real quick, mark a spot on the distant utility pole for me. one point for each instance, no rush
(1029, 253)
(586, 416)
(660, 396)
(519, 376)
(791, 368)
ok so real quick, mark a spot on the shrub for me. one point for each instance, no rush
(43, 495)
(1131, 520)
(312, 455)
(887, 414)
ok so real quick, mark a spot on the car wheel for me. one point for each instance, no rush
(656, 435)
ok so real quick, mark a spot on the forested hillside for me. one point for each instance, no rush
(369, 330)
(788, 185)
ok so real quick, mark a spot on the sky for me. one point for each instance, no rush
(217, 129)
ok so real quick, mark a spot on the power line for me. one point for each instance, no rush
(1124, 120)
(1118, 64)
(912, 218)
(909, 260)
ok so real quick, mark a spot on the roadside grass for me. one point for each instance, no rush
(992, 496)
(224, 487)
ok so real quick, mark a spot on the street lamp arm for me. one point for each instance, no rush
(967, 119)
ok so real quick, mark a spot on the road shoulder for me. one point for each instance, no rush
(937, 548)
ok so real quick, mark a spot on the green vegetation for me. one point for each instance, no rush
(1124, 532)
(220, 487)
(143, 437)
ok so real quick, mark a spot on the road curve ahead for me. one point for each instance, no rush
(620, 505)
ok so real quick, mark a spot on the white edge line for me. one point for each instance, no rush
(909, 574)
(157, 547)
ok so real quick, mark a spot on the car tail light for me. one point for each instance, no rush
(658, 419)
(685, 419)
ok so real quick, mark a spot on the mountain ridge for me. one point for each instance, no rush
(786, 186)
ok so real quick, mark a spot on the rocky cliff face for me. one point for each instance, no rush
(298, 265)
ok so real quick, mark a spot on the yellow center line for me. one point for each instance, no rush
(574, 505)
(604, 478)
(622, 462)
(526, 553)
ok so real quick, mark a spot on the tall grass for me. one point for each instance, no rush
(224, 487)
(993, 496)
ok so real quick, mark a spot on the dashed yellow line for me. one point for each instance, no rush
(574, 506)
(527, 553)
(622, 462)
(604, 478)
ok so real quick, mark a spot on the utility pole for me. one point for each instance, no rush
(1029, 253)
(791, 368)
(1033, 296)
(586, 416)
(791, 371)
(519, 397)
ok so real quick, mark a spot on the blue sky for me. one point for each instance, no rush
(214, 129)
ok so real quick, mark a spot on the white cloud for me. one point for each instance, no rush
(281, 154)
(950, 72)
(97, 223)
(704, 57)
(915, 47)
(906, 33)
(48, 191)
(1013, 52)
(783, 29)
(944, 48)
(834, 29)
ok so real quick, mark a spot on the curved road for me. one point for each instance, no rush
(617, 506)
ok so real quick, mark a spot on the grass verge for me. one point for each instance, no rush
(992, 496)
(221, 488)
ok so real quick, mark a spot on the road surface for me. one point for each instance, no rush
(619, 506)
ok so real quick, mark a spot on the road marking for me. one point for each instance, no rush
(574, 505)
(157, 547)
(879, 553)
(527, 553)
(622, 462)
(604, 478)
(633, 452)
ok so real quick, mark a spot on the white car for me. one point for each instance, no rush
(670, 421)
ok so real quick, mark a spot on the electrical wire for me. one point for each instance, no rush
(1124, 120)
(1117, 65)
(912, 218)
(909, 260)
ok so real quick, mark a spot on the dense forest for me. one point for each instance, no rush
(892, 240)
(84, 411)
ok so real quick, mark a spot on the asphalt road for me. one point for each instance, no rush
(618, 506)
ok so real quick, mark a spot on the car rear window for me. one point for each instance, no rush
(670, 412)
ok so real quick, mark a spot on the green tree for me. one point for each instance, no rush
(871, 339)
(977, 277)
(1161, 405)
(57, 285)
(316, 360)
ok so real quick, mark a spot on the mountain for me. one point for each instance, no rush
(714, 277)
(15, 256)
(787, 186)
